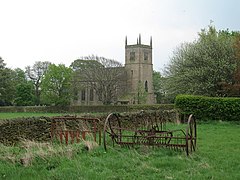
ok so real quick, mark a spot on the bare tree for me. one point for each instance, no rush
(36, 73)
(106, 76)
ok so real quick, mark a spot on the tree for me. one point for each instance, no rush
(7, 86)
(234, 88)
(202, 66)
(2, 64)
(105, 76)
(36, 74)
(24, 95)
(19, 76)
(81, 74)
(158, 82)
(56, 85)
(141, 96)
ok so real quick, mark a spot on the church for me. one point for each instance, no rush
(139, 74)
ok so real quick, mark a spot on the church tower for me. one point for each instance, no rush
(139, 67)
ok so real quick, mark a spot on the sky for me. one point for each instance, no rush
(61, 31)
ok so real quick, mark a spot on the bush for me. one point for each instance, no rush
(209, 108)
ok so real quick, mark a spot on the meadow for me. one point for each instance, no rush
(216, 157)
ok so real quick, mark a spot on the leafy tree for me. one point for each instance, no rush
(19, 76)
(2, 64)
(19, 79)
(234, 88)
(56, 85)
(202, 66)
(158, 82)
(36, 74)
(82, 72)
(7, 86)
(104, 76)
(24, 94)
(141, 96)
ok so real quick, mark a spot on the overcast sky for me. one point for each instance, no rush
(61, 31)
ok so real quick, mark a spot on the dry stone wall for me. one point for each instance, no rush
(38, 128)
(34, 128)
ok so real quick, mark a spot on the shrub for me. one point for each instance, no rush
(205, 108)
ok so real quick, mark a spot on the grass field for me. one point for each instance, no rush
(27, 114)
(217, 157)
(20, 114)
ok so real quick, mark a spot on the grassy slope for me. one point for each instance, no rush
(217, 157)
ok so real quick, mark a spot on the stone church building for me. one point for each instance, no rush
(139, 72)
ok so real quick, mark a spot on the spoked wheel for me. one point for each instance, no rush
(191, 135)
(109, 131)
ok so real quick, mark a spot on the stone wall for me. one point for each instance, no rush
(34, 128)
(38, 128)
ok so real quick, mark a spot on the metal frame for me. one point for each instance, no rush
(149, 130)
(74, 129)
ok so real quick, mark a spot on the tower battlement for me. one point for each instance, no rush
(139, 67)
(139, 42)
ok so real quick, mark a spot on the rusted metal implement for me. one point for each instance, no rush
(74, 129)
(149, 130)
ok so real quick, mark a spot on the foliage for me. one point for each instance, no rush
(19, 76)
(36, 74)
(234, 88)
(2, 64)
(56, 85)
(141, 95)
(7, 85)
(24, 95)
(211, 108)
(217, 157)
(158, 81)
(11, 80)
(79, 80)
(104, 76)
(201, 67)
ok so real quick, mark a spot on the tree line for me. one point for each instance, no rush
(45, 83)
(210, 65)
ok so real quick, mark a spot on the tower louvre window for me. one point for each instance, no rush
(145, 56)
(132, 56)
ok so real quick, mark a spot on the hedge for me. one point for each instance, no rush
(209, 108)
(86, 109)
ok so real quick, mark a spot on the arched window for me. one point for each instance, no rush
(146, 86)
(91, 95)
(83, 95)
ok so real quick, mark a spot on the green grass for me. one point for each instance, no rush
(217, 157)
(28, 114)
(22, 114)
